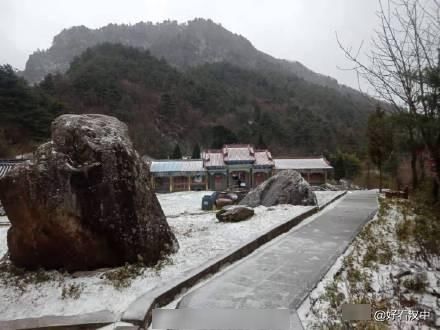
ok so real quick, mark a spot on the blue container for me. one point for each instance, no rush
(207, 203)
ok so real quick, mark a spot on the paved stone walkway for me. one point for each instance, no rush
(282, 273)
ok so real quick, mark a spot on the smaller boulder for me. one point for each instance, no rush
(235, 214)
(286, 187)
(221, 202)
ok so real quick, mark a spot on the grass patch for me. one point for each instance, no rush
(417, 283)
(123, 276)
(72, 291)
(21, 278)
(161, 264)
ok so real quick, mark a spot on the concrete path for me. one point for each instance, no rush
(282, 273)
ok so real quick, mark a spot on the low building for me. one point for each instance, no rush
(237, 166)
(178, 175)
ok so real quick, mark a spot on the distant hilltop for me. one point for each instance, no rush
(190, 44)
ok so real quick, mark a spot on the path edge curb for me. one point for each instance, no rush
(163, 295)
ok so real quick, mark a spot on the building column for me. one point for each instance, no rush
(206, 181)
(308, 176)
(171, 184)
(153, 183)
(325, 176)
(189, 183)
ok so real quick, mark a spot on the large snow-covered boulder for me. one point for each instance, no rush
(84, 201)
(286, 187)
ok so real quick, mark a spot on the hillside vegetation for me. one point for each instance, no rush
(208, 103)
(189, 84)
(25, 113)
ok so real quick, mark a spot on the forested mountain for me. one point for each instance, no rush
(189, 83)
(25, 113)
(208, 104)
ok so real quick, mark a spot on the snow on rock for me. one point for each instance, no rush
(285, 187)
(85, 190)
(201, 238)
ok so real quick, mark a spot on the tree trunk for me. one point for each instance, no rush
(435, 157)
(414, 174)
(380, 177)
(368, 174)
(435, 191)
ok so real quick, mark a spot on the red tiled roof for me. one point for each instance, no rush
(237, 152)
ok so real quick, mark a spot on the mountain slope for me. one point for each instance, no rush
(182, 45)
(207, 103)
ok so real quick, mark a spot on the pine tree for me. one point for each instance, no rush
(167, 104)
(177, 154)
(221, 136)
(196, 152)
(261, 144)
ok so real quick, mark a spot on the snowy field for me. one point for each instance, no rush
(201, 237)
(385, 267)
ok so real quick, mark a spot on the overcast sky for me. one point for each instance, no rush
(302, 30)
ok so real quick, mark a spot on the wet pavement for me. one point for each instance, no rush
(282, 273)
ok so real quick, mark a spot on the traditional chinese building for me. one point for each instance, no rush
(232, 167)
(237, 166)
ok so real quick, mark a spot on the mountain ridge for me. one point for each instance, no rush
(206, 103)
(183, 45)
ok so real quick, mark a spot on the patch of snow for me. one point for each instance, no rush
(201, 238)
(324, 197)
(180, 203)
(118, 325)
(3, 243)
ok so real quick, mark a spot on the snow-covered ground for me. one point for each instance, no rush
(182, 203)
(3, 242)
(382, 267)
(201, 237)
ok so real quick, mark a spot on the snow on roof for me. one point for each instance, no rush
(263, 157)
(302, 163)
(238, 152)
(213, 158)
(160, 166)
